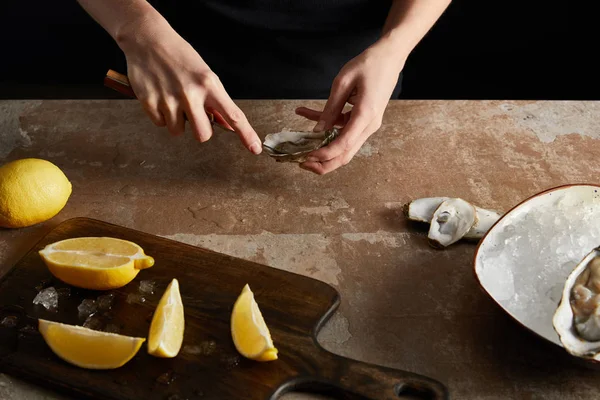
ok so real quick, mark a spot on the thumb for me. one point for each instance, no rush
(340, 91)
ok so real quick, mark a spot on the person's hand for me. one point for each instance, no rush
(366, 82)
(173, 83)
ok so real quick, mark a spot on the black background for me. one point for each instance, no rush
(479, 49)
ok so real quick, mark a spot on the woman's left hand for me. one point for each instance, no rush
(366, 82)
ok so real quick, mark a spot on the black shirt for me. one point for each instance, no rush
(277, 48)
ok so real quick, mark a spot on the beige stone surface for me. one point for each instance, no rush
(404, 304)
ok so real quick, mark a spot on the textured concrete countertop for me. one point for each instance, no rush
(404, 304)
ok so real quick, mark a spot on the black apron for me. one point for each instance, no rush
(277, 49)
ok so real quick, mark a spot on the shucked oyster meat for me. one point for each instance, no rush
(294, 146)
(577, 318)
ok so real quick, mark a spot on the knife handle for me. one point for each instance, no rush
(120, 83)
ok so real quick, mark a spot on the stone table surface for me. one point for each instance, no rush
(404, 304)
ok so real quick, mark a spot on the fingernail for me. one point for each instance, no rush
(311, 158)
(256, 148)
(320, 126)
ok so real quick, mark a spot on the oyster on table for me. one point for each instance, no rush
(577, 317)
(451, 219)
(294, 146)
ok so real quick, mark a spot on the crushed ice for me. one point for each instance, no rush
(205, 348)
(112, 328)
(105, 301)
(10, 321)
(86, 308)
(43, 284)
(167, 378)
(230, 361)
(549, 241)
(29, 330)
(147, 287)
(93, 322)
(48, 298)
(135, 298)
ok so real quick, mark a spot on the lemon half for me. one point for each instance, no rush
(97, 263)
(249, 331)
(87, 348)
(168, 323)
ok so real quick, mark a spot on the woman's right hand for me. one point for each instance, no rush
(171, 80)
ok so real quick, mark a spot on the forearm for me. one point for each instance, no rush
(408, 21)
(118, 17)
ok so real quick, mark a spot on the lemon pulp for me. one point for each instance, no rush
(87, 348)
(249, 332)
(98, 263)
(168, 324)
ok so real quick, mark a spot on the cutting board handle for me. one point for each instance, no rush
(375, 382)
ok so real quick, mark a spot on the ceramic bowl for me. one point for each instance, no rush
(509, 279)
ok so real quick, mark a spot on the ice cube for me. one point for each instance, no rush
(147, 287)
(64, 292)
(43, 284)
(87, 308)
(205, 348)
(584, 242)
(135, 298)
(191, 349)
(10, 321)
(105, 301)
(48, 298)
(112, 328)
(93, 322)
(555, 293)
(208, 347)
(29, 330)
(230, 361)
(167, 378)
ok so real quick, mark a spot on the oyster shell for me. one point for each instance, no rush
(577, 317)
(451, 219)
(294, 146)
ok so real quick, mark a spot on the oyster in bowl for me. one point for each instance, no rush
(577, 317)
(526, 257)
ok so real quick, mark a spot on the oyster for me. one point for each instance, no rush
(294, 146)
(577, 317)
(451, 219)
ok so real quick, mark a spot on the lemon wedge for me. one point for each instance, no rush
(97, 263)
(87, 348)
(249, 331)
(168, 323)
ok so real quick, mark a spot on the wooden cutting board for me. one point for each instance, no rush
(208, 367)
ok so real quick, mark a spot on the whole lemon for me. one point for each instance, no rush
(31, 191)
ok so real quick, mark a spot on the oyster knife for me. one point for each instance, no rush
(120, 83)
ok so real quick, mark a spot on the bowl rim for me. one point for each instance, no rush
(482, 240)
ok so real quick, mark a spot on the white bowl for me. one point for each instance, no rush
(521, 274)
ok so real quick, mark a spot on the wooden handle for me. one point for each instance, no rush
(368, 381)
(120, 83)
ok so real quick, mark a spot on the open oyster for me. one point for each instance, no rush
(451, 219)
(577, 318)
(294, 146)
